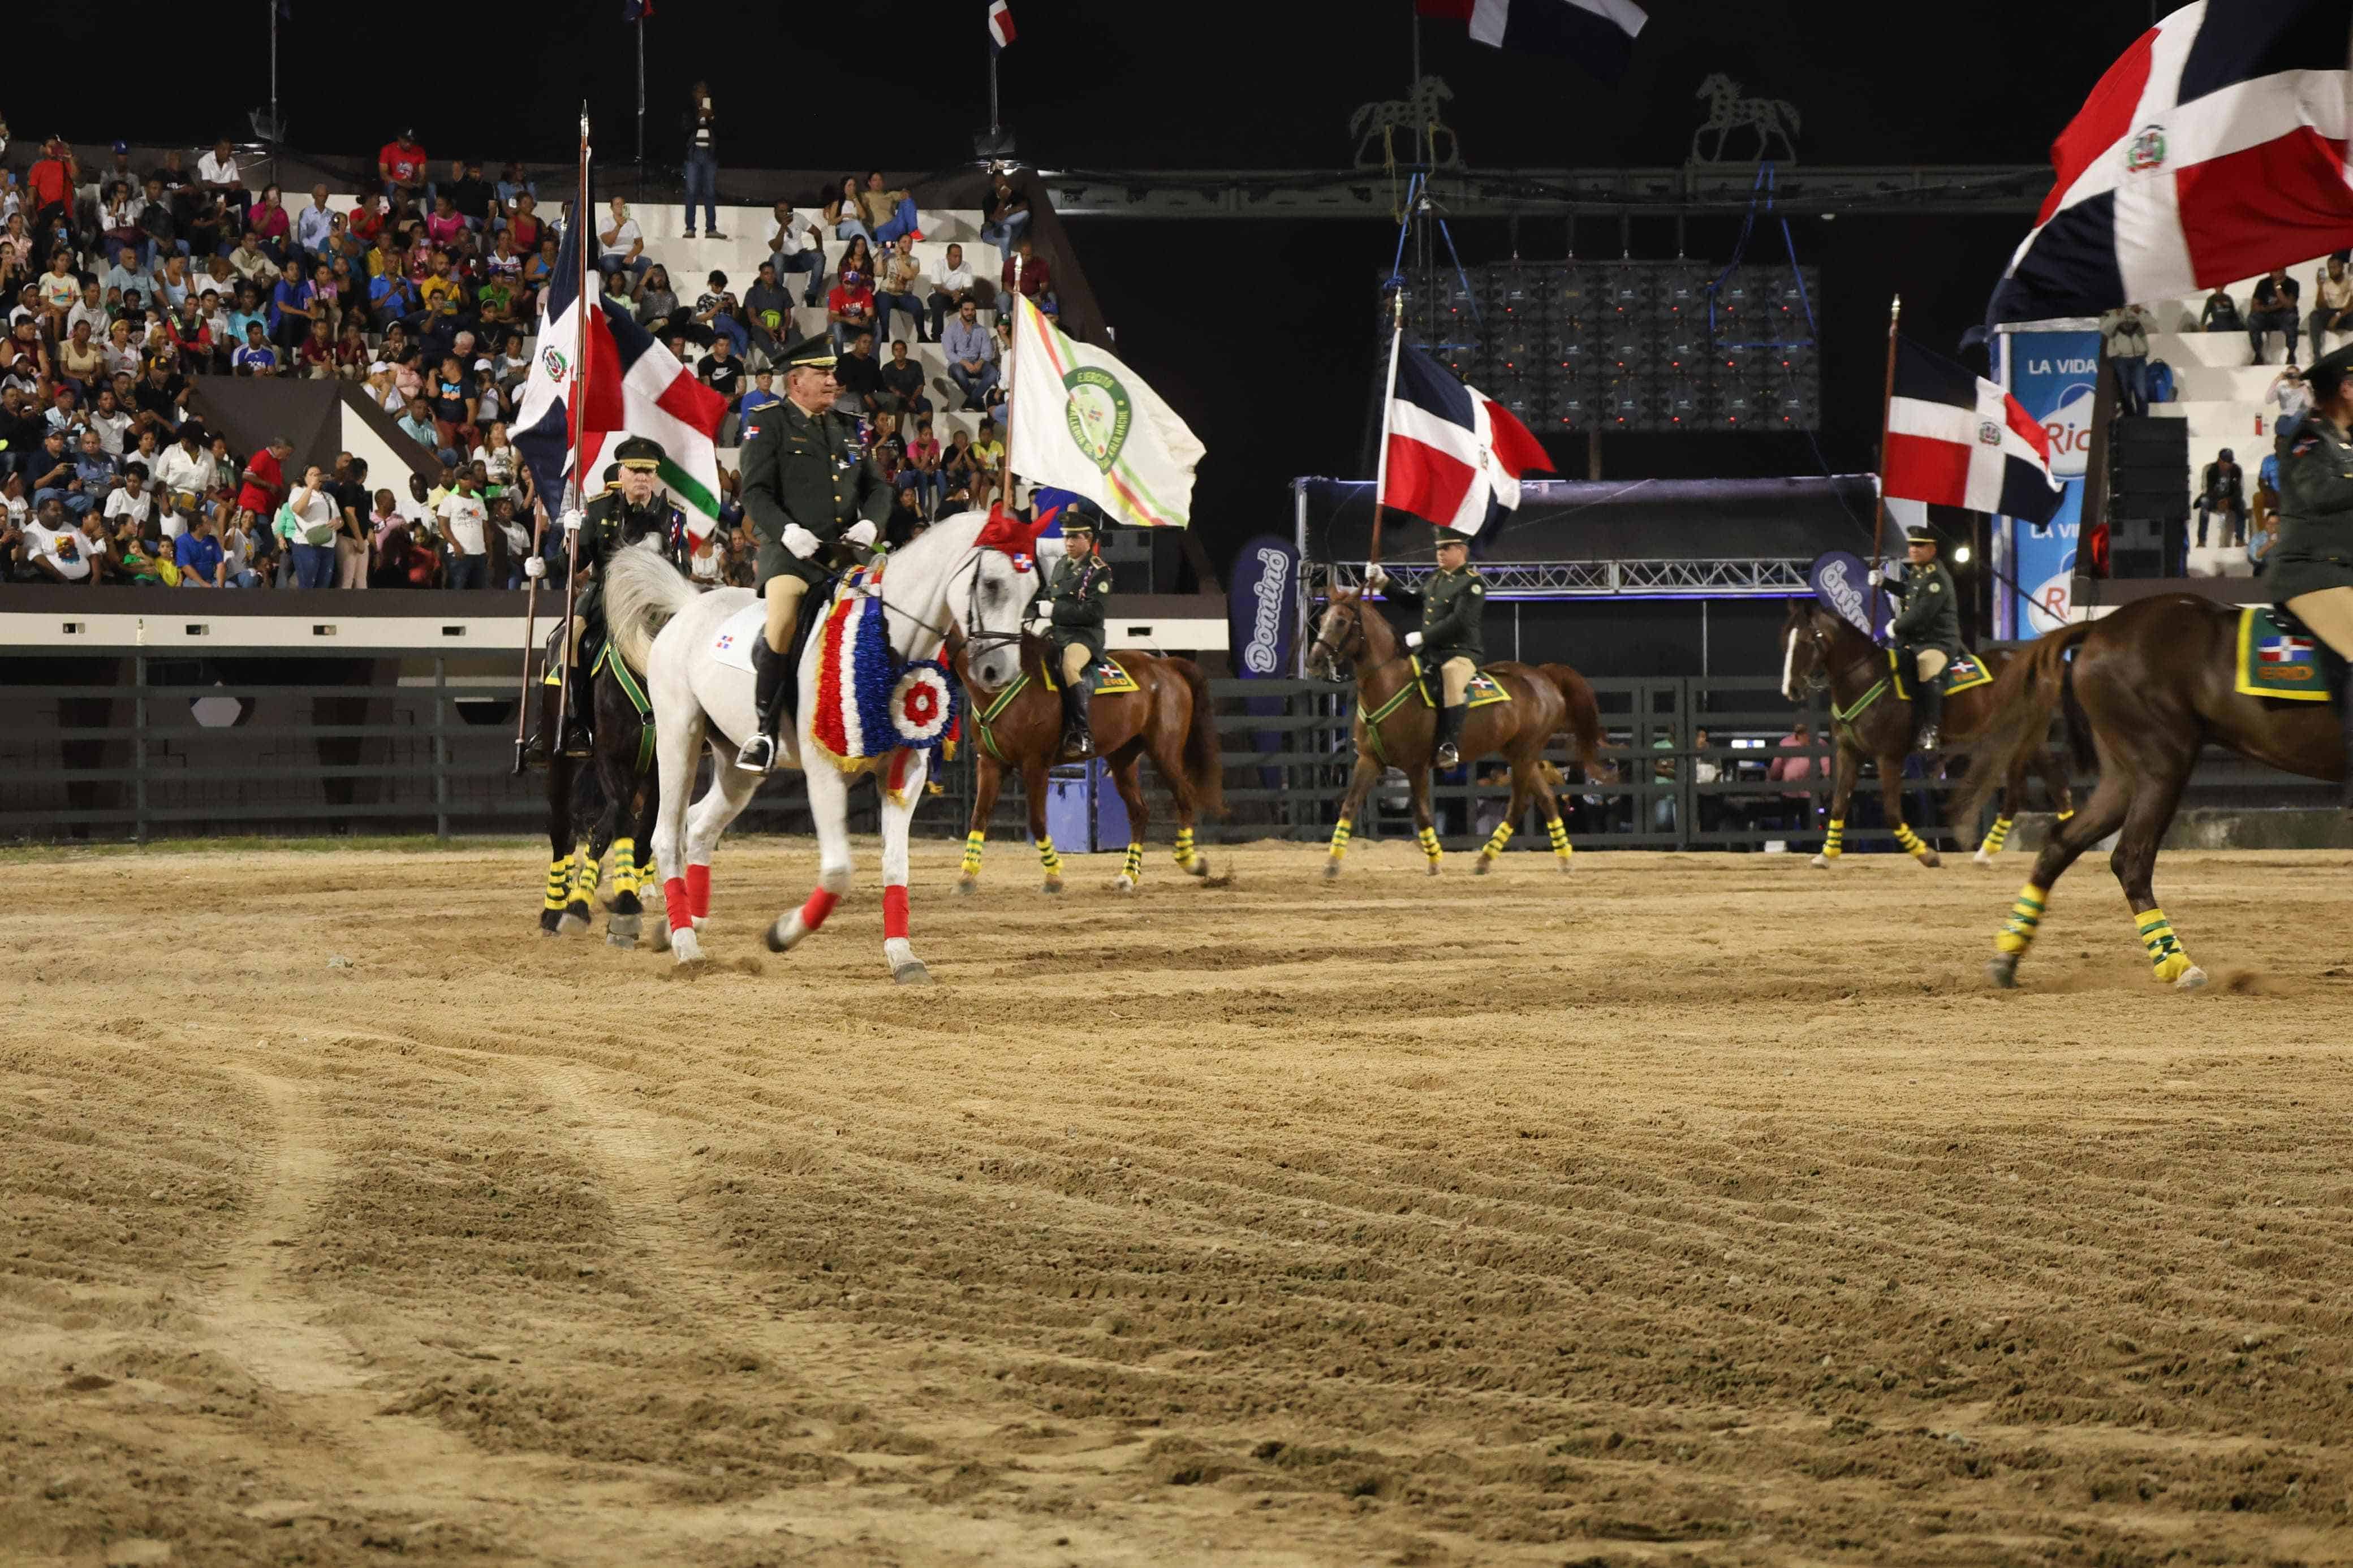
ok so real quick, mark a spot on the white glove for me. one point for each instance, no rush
(1888, 631)
(1375, 579)
(572, 521)
(1413, 639)
(860, 532)
(800, 541)
(534, 568)
(1875, 577)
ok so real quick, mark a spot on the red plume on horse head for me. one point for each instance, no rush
(1014, 537)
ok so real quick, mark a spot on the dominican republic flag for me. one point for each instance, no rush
(635, 388)
(636, 10)
(1000, 24)
(1597, 33)
(2285, 650)
(2213, 151)
(1955, 438)
(1452, 456)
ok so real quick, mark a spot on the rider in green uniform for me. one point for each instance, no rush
(632, 505)
(808, 486)
(1451, 605)
(2311, 567)
(1926, 631)
(1073, 604)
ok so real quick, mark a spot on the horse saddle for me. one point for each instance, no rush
(1964, 673)
(1105, 677)
(593, 645)
(2279, 656)
(1483, 690)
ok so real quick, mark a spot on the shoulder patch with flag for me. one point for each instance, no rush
(1955, 438)
(1000, 24)
(2212, 151)
(1453, 456)
(1598, 34)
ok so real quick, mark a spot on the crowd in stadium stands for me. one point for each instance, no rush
(124, 285)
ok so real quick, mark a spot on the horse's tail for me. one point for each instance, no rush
(1584, 720)
(2031, 691)
(1205, 769)
(642, 592)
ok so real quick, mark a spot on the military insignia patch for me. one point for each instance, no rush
(1099, 415)
(2146, 150)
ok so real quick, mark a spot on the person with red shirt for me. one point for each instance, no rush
(1036, 279)
(263, 484)
(401, 161)
(368, 219)
(50, 183)
(849, 307)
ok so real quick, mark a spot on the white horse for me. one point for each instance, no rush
(972, 571)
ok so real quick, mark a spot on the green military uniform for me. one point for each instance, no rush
(805, 469)
(2314, 552)
(1452, 606)
(1074, 600)
(1931, 612)
(608, 524)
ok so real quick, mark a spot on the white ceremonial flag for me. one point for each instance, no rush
(1083, 422)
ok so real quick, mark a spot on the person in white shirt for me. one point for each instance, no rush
(106, 418)
(216, 172)
(236, 553)
(66, 552)
(90, 308)
(314, 222)
(465, 523)
(797, 245)
(131, 498)
(708, 564)
(621, 246)
(309, 521)
(2334, 314)
(185, 473)
(951, 285)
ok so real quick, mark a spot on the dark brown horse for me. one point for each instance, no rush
(1869, 720)
(1394, 728)
(2145, 689)
(1167, 717)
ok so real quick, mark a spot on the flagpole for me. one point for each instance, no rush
(995, 129)
(1005, 458)
(641, 114)
(576, 491)
(1886, 406)
(1388, 395)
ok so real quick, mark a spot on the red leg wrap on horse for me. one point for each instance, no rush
(698, 891)
(674, 901)
(894, 912)
(820, 904)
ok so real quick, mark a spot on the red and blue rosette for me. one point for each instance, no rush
(924, 704)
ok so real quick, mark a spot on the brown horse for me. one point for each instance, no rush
(1396, 729)
(1167, 715)
(1869, 720)
(2145, 689)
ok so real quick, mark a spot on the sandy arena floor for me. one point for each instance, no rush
(1686, 1209)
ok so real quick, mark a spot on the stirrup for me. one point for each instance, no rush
(1448, 755)
(1078, 745)
(758, 754)
(1925, 740)
(577, 741)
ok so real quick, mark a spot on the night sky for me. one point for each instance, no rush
(1255, 330)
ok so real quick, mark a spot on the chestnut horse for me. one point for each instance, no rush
(1544, 702)
(1869, 720)
(1167, 716)
(2144, 690)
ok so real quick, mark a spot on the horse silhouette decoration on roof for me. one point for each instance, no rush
(1768, 118)
(1415, 114)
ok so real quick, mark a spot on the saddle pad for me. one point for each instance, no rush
(1961, 674)
(1483, 691)
(732, 643)
(1105, 677)
(2273, 663)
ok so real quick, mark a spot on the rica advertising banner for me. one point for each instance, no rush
(2053, 376)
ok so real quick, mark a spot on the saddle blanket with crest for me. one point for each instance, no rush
(2275, 662)
(1483, 690)
(1105, 677)
(1965, 673)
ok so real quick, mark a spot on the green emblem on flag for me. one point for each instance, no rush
(1099, 415)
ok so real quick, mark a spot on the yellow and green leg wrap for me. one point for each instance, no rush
(583, 885)
(2166, 954)
(1339, 840)
(1134, 867)
(1911, 841)
(625, 867)
(1834, 844)
(1497, 841)
(972, 843)
(1560, 844)
(1184, 852)
(1995, 837)
(559, 883)
(1048, 861)
(1428, 836)
(2017, 934)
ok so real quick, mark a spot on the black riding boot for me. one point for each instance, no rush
(773, 671)
(1450, 735)
(1078, 739)
(553, 724)
(1927, 711)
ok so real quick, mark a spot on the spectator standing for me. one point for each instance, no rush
(2125, 333)
(796, 245)
(349, 489)
(262, 483)
(236, 550)
(701, 124)
(2274, 310)
(465, 523)
(49, 188)
(951, 285)
(971, 349)
(309, 523)
(900, 288)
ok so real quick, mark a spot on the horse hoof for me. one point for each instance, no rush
(2002, 969)
(1821, 862)
(1483, 865)
(966, 887)
(1332, 870)
(623, 930)
(1201, 868)
(910, 973)
(1433, 867)
(1980, 859)
(683, 947)
(1932, 861)
(782, 933)
(660, 939)
(549, 932)
(571, 924)
(2191, 979)
(614, 938)
(1052, 888)
(1123, 884)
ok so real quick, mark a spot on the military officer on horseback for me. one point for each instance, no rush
(2311, 567)
(1072, 607)
(807, 486)
(1451, 605)
(631, 506)
(1926, 631)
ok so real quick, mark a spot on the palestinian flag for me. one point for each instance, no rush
(634, 386)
